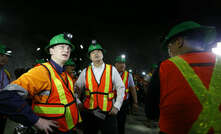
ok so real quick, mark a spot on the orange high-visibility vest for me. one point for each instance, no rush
(190, 95)
(61, 104)
(99, 95)
(125, 77)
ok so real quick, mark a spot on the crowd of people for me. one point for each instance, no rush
(182, 93)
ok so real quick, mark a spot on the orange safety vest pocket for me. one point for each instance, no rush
(50, 111)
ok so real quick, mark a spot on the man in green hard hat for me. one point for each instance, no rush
(120, 64)
(185, 89)
(100, 81)
(54, 109)
(4, 78)
(69, 67)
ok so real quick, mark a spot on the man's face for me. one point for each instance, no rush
(60, 52)
(120, 66)
(96, 55)
(70, 70)
(3, 59)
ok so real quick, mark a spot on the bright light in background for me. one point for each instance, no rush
(79, 71)
(123, 56)
(80, 59)
(217, 49)
(143, 73)
(130, 70)
(38, 49)
(81, 46)
(9, 52)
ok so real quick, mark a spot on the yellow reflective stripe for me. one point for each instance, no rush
(90, 84)
(214, 88)
(210, 99)
(62, 96)
(125, 77)
(106, 88)
(69, 119)
(48, 110)
(71, 83)
(127, 90)
(7, 73)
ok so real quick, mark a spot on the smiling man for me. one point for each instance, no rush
(54, 107)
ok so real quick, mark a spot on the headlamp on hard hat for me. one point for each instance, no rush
(8, 52)
(94, 42)
(68, 36)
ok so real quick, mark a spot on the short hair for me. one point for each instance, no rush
(195, 39)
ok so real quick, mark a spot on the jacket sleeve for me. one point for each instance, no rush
(152, 99)
(16, 108)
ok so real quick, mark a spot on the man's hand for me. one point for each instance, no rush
(113, 111)
(45, 125)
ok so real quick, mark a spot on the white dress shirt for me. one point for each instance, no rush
(116, 81)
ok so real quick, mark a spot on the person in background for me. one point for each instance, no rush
(120, 64)
(69, 67)
(185, 91)
(5, 78)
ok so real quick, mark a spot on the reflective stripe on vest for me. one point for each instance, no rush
(209, 99)
(125, 77)
(49, 110)
(92, 91)
(110, 95)
(62, 97)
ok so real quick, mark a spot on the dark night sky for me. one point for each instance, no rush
(129, 27)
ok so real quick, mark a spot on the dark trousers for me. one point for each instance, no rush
(3, 120)
(92, 124)
(121, 118)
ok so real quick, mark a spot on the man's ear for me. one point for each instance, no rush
(51, 50)
(179, 42)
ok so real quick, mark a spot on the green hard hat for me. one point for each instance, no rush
(120, 59)
(38, 61)
(5, 51)
(208, 31)
(59, 39)
(2, 49)
(69, 63)
(93, 47)
(154, 66)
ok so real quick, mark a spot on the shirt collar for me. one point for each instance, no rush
(58, 68)
(102, 66)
